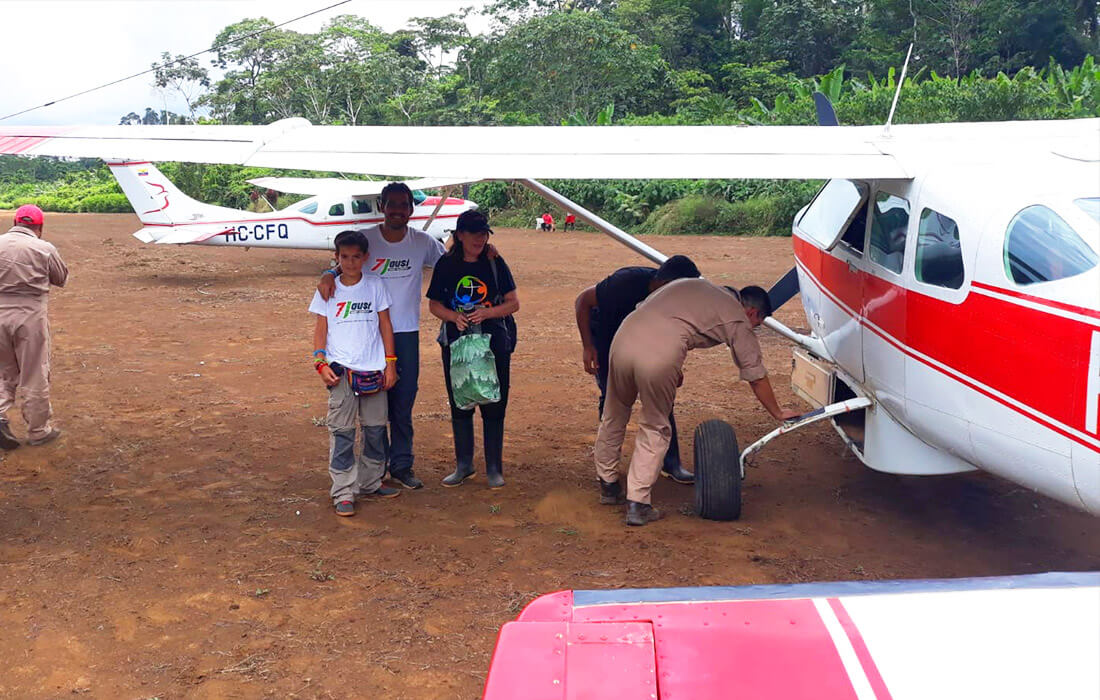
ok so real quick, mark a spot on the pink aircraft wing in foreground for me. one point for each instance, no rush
(1012, 637)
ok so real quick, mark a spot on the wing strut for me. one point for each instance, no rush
(444, 193)
(607, 227)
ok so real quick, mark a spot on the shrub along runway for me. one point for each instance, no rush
(178, 540)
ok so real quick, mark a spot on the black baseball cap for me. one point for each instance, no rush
(472, 221)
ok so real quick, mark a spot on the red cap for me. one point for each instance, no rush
(28, 214)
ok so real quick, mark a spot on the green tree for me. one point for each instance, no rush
(183, 76)
(567, 63)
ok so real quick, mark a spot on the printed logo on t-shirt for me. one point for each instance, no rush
(470, 292)
(389, 265)
(344, 309)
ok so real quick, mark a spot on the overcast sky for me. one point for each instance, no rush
(54, 48)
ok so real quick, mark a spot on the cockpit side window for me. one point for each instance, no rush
(889, 226)
(939, 252)
(361, 205)
(1041, 247)
(833, 213)
(310, 208)
(419, 196)
(336, 210)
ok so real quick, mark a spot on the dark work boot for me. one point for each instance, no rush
(494, 452)
(641, 513)
(463, 429)
(611, 494)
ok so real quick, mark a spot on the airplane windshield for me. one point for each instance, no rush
(1090, 205)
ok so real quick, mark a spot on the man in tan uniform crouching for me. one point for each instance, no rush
(647, 362)
(28, 266)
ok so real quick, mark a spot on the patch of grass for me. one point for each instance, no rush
(319, 574)
(567, 531)
(494, 509)
(261, 592)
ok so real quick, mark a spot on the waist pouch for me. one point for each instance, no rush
(361, 382)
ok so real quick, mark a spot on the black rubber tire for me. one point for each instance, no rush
(717, 471)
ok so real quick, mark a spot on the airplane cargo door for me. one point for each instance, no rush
(885, 330)
(835, 223)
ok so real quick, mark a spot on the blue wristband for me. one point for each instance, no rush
(329, 272)
(320, 352)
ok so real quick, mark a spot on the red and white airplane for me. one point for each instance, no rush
(949, 272)
(169, 216)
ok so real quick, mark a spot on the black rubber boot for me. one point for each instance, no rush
(672, 467)
(611, 494)
(463, 429)
(677, 473)
(494, 452)
(641, 513)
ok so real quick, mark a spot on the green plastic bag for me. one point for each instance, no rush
(474, 378)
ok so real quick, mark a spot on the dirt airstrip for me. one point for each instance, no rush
(178, 542)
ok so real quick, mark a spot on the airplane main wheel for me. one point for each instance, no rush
(717, 471)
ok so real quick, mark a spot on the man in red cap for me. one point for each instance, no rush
(28, 266)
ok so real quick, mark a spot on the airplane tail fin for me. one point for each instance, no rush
(156, 201)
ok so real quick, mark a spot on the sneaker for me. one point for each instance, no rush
(383, 492)
(345, 509)
(48, 437)
(8, 441)
(408, 480)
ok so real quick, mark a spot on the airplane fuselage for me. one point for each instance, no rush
(975, 329)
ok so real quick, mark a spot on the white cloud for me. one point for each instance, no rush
(55, 48)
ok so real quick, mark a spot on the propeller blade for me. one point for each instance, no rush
(782, 291)
(826, 115)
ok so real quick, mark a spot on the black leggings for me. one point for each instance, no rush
(489, 411)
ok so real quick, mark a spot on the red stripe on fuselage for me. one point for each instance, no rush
(345, 222)
(1038, 357)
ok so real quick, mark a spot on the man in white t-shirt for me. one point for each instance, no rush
(398, 255)
(354, 354)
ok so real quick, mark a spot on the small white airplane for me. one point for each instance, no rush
(168, 216)
(949, 272)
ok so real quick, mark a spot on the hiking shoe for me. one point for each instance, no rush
(641, 513)
(345, 509)
(8, 441)
(48, 437)
(678, 474)
(383, 492)
(408, 480)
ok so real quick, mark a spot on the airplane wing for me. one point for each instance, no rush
(338, 187)
(513, 152)
(1016, 637)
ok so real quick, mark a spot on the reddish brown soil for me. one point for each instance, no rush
(178, 542)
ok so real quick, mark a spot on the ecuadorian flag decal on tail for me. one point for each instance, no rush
(142, 172)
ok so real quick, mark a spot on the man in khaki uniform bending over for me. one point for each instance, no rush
(647, 362)
(28, 266)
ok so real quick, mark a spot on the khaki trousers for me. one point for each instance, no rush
(25, 364)
(352, 476)
(638, 371)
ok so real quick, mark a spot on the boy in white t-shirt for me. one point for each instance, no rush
(354, 354)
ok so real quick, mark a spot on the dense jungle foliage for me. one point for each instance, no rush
(579, 62)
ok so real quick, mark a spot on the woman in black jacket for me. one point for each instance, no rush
(468, 287)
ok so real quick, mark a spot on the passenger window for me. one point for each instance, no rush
(419, 196)
(828, 216)
(310, 208)
(939, 252)
(1041, 247)
(336, 210)
(360, 206)
(888, 231)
